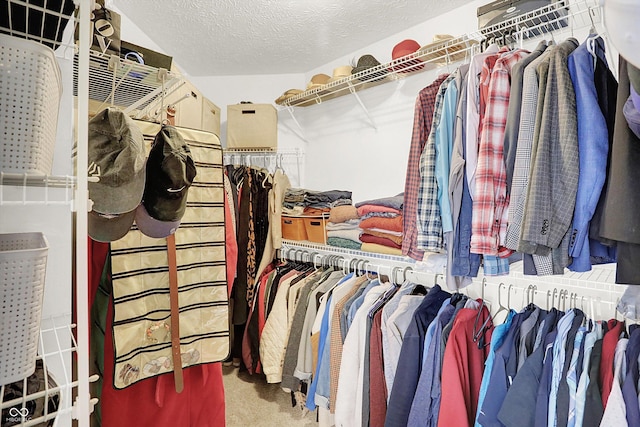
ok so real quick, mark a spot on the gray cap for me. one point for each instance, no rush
(117, 157)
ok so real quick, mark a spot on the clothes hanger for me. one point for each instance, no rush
(501, 306)
(479, 332)
(404, 273)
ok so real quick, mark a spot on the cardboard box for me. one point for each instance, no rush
(151, 57)
(252, 126)
(293, 228)
(315, 226)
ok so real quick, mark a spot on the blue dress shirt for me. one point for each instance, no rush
(593, 147)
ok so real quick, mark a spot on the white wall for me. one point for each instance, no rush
(343, 150)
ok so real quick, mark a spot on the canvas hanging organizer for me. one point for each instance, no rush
(142, 323)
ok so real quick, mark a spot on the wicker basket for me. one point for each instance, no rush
(30, 91)
(23, 260)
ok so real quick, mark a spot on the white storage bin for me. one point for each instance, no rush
(30, 91)
(23, 261)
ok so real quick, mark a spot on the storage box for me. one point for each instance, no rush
(252, 126)
(502, 10)
(23, 262)
(293, 228)
(30, 91)
(150, 57)
(316, 229)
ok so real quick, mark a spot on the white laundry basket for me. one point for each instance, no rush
(23, 261)
(30, 91)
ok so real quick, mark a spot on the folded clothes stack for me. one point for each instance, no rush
(381, 224)
(343, 228)
(293, 202)
(327, 199)
(299, 201)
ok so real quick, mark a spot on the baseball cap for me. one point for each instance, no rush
(170, 172)
(117, 158)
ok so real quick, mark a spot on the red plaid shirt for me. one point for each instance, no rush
(490, 213)
(423, 116)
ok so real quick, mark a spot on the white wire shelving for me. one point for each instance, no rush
(560, 15)
(595, 291)
(126, 83)
(57, 347)
(34, 189)
(63, 347)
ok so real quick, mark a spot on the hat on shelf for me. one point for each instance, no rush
(405, 51)
(117, 159)
(445, 49)
(318, 81)
(170, 172)
(288, 94)
(366, 62)
(340, 73)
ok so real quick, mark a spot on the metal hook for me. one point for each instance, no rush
(553, 298)
(509, 295)
(404, 273)
(393, 274)
(484, 284)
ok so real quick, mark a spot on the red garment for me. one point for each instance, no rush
(97, 256)
(391, 224)
(246, 338)
(377, 384)
(154, 402)
(422, 120)
(490, 202)
(369, 238)
(609, 343)
(231, 245)
(366, 209)
(483, 86)
(463, 367)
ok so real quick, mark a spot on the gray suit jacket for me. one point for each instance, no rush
(554, 172)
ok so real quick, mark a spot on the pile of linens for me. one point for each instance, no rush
(381, 225)
(372, 226)
(299, 201)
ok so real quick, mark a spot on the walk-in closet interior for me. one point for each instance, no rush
(234, 213)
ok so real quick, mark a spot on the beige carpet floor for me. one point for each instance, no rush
(250, 402)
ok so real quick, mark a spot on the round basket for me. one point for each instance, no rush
(23, 261)
(30, 91)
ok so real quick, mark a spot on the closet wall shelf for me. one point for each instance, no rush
(56, 347)
(36, 180)
(556, 16)
(595, 291)
(292, 248)
(130, 85)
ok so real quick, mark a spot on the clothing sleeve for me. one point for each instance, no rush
(444, 146)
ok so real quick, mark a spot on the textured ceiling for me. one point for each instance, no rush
(237, 37)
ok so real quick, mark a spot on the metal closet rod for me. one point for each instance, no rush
(398, 271)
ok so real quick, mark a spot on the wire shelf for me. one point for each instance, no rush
(556, 16)
(595, 291)
(56, 346)
(127, 83)
(42, 21)
(291, 248)
(31, 189)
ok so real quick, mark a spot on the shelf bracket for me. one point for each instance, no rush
(293, 116)
(157, 91)
(352, 89)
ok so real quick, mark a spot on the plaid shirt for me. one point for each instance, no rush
(422, 119)
(429, 221)
(489, 226)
